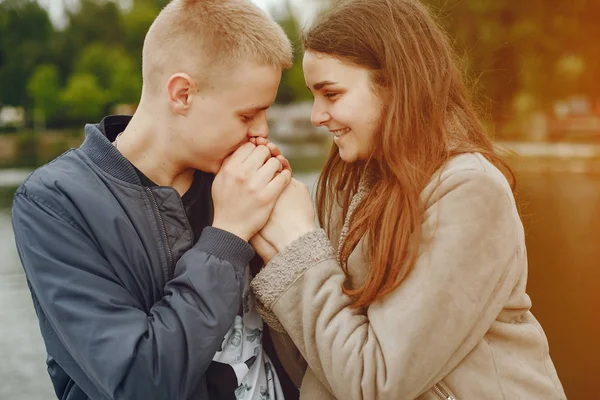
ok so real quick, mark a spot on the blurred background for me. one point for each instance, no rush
(533, 66)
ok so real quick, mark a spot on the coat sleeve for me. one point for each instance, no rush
(406, 342)
(115, 349)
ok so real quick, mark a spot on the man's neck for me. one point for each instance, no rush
(144, 146)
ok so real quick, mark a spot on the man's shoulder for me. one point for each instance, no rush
(66, 172)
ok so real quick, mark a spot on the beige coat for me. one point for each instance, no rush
(459, 327)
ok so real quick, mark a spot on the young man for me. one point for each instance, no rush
(135, 291)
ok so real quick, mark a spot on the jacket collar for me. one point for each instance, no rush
(99, 148)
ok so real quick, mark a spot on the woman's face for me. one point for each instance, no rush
(345, 102)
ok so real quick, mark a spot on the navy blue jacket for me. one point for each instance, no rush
(130, 304)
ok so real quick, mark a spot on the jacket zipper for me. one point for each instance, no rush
(167, 271)
(443, 392)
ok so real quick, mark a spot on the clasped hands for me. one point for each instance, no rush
(256, 198)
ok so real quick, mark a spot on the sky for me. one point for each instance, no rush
(56, 7)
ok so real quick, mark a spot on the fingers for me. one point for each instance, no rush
(278, 183)
(255, 153)
(241, 154)
(275, 152)
(284, 163)
(266, 173)
(274, 149)
(261, 141)
(258, 156)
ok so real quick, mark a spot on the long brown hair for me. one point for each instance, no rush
(428, 119)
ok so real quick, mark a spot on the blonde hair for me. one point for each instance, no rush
(201, 37)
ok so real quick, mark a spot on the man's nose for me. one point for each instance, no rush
(259, 127)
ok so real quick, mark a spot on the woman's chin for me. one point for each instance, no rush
(347, 156)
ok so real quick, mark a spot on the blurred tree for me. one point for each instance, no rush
(93, 21)
(136, 23)
(538, 48)
(532, 54)
(114, 71)
(44, 89)
(585, 22)
(25, 30)
(292, 87)
(84, 99)
(481, 34)
(97, 59)
(125, 83)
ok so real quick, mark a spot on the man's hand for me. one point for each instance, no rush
(292, 217)
(275, 152)
(246, 188)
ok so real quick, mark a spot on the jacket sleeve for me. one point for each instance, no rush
(116, 350)
(406, 342)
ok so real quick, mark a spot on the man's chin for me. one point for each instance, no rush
(214, 169)
(211, 168)
(216, 166)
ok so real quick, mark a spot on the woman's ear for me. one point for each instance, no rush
(385, 94)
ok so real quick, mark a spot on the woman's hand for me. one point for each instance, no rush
(292, 217)
(264, 249)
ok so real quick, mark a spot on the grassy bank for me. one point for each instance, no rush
(6, 196)
(30, 149)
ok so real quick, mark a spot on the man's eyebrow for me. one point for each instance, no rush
(322, 84)
(254, 109)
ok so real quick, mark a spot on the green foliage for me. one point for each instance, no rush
(293, 87)
(538, 50)
(84, 99)
(135, 23)
(94, 21)
(25, 30)
(114, 71)
(6, 197)
(63, 77)
(44, 89)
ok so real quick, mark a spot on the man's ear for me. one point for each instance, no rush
(180, 89)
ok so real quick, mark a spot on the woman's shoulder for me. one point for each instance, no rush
(469, 174)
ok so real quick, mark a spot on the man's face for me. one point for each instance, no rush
(229, 112)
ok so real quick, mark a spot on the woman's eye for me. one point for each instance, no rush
(330, 95)
(247, 118)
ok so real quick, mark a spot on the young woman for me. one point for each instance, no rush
(415, 287)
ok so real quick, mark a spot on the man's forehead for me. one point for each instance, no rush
(252, 91)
